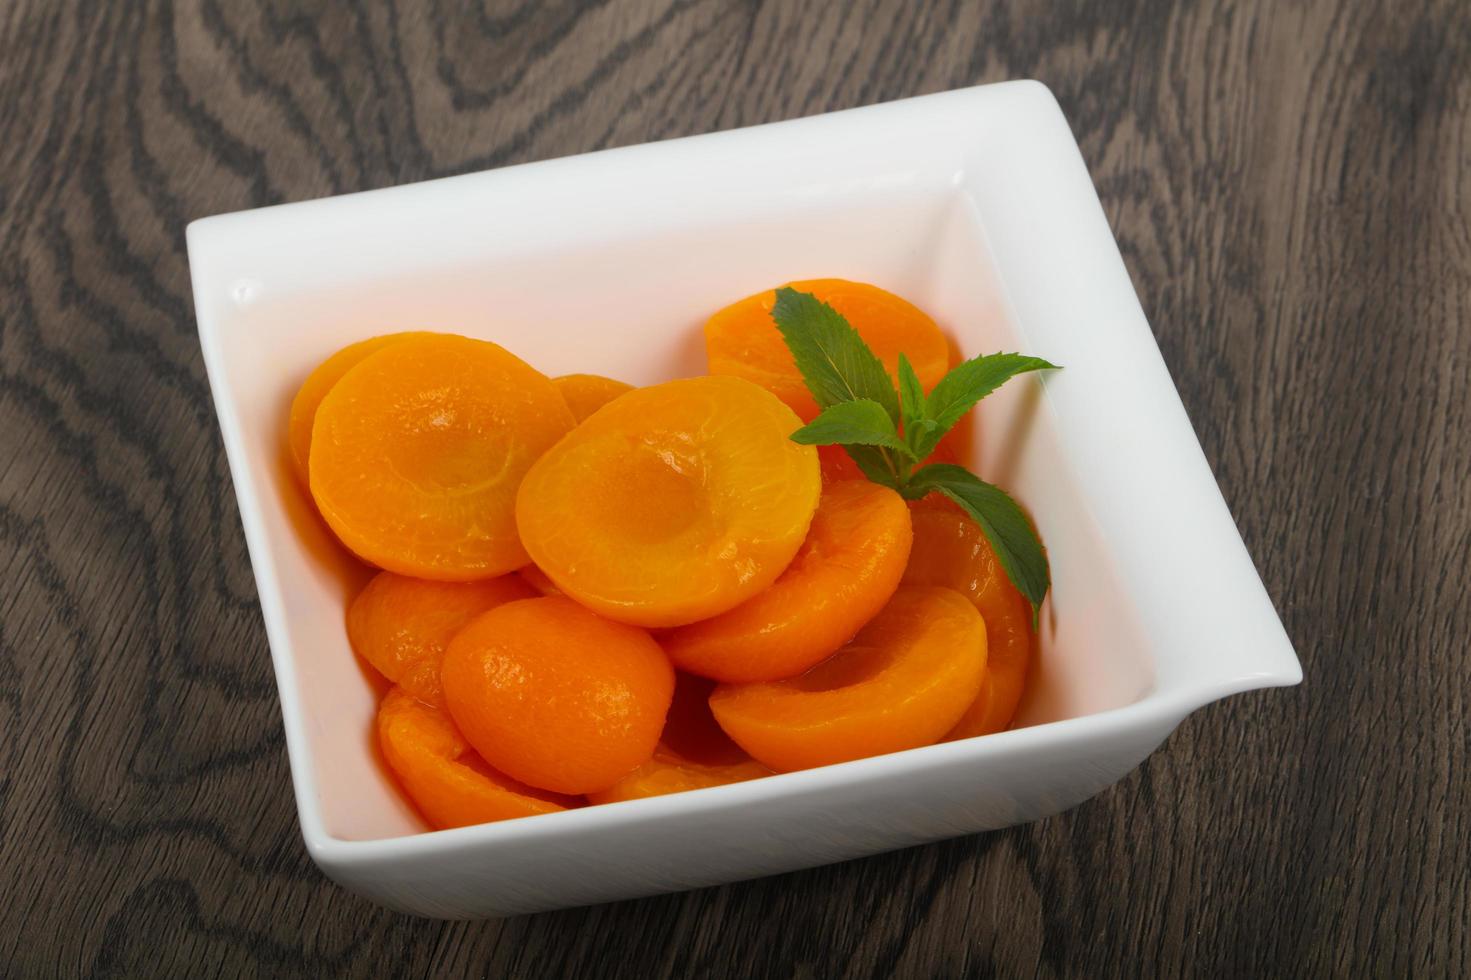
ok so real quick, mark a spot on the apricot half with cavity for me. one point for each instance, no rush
(672, 503)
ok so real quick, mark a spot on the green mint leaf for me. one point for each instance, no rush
(834, 361)
(911, 396)
(856, 423)
(1011, 536)
(966, 384)
(876, 464)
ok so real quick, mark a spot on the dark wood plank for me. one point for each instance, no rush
(1291, 185)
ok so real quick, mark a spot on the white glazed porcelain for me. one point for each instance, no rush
(974, 204)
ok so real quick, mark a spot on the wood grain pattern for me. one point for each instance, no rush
(1291, 185)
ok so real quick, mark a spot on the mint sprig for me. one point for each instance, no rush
(888, 432)
(912, 402)
(1002, 521)
(835, 362)
(966, 384)
(861, 422)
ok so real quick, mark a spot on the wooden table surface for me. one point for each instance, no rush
(1291, 187)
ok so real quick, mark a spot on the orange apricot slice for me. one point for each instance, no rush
(417, 452)
(742, 339)
(537, 579)
(421, 679)
(586, 393)
(693, 752)
(448, 783)
(672, 503)
(556, 696)
(847, 568)
(397, 622)
(950, 550)
(956, 445)
(836, 464)
(315, 388)
(903, 682)
(669, 772)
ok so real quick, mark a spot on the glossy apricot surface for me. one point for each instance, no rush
(315, 388)
(586, 393)
(903, 682)
(950, 550)
(673, 503)
(448, 783)
(742, 340)
(557, 696)
(397, 622)
(537, 579)
(418, 450)
(693, 752)
(846, 570)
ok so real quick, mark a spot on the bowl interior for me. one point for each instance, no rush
(630, 306)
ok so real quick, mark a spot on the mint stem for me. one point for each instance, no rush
(890, 432)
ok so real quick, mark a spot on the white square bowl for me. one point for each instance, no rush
(974, 204)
